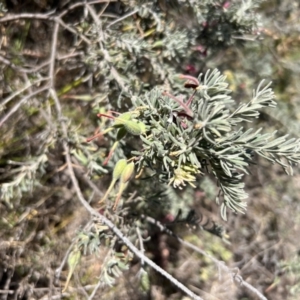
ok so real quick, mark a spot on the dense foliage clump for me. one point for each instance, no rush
(178, 125)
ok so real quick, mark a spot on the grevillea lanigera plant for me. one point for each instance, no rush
(183, 139)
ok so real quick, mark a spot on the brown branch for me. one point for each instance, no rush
(52, 55)
(218, 263)
(15, 17)
(83, 3)
(122, 18)
(47, 16)
(15, 94)
(22, 101)
(13, 66)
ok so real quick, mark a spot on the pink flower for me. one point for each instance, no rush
(226, 4)
(190, 69)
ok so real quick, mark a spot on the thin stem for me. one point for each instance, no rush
(191, 98)
(99, 134)
(141, 243)
(52, 57)
(122, 18)
(190, 78)
(181, 103)
(18, 92)
(105, 115)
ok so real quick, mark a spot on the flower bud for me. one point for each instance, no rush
(127, 172)
(121, 119)
(135, 128)
(73, 260)
(119, 168)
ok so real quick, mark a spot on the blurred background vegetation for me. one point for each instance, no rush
(95, 55)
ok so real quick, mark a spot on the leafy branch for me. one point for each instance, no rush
(180, 140)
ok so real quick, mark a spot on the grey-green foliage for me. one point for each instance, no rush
(184, 141)
(158, 39)
(158, 36)
(2, 8)
(292, 268)
(115, 262)
(222, 21)
(25, 178)
(113, 268)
